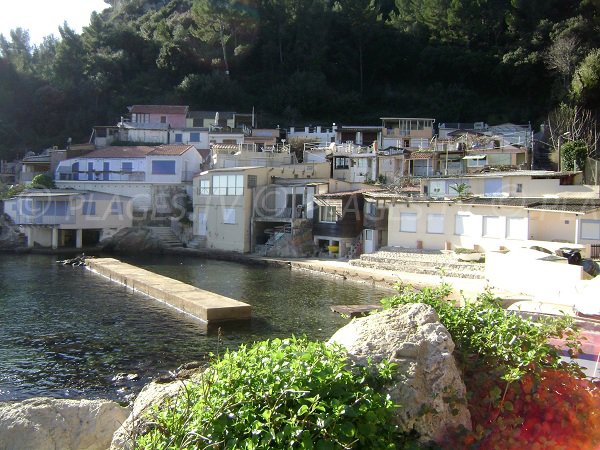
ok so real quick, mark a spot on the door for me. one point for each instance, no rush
(202, 224)
(370, 240)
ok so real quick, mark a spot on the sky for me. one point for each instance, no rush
(43, 17)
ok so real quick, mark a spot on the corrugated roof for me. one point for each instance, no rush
(159, 109)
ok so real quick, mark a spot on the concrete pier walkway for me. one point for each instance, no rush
(199, 303)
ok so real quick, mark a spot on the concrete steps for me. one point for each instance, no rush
(166, 236)
(422, 262)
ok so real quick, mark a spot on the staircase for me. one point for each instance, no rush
(542, 161)
(428, 262)
(166, 236)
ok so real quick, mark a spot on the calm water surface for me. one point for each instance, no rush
(65, 332)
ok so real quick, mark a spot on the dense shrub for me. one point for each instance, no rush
(280, 394)
(520, 393)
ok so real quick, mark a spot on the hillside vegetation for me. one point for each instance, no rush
(302, 62)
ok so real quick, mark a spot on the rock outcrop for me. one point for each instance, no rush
(133, 241)
(153, 394)
(10, 238)
(50, 424)
(427, 384)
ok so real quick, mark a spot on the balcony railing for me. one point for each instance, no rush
(69, 175)
(41, 219)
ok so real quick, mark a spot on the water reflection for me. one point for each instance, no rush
(65, 332)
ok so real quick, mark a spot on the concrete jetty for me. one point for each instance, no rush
(199, 303)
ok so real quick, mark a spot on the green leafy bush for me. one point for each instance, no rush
(511, 343)
(42, 181)
(280, 394)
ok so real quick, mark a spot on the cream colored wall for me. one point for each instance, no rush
(219, 235)
(141, 193)
(448, 239)
(545, 280)
(222, 236)
(552, 226)
(103, 217)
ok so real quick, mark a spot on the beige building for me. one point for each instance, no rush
(236, 208)
(526, 183)
(67, 218)
(489, 223)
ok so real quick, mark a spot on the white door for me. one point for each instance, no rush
(369, 238)
(202, 224)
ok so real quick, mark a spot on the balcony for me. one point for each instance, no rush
(43, 219)
(66, 174)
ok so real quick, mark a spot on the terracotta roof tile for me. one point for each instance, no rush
(171, 150)
(421, 155)
(138, 151)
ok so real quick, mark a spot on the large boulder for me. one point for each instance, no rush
(50, 424)
(9, 235)
(133, 241)
(152, 395)
(426, 384)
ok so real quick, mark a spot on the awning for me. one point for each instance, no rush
(474, 157)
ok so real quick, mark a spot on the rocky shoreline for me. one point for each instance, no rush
(420, 345)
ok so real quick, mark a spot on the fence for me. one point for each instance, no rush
(591, 173)
(595, 251)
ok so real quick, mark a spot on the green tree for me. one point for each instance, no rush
(573, 155)
(586, 81)
(42, 181)
(224, 23)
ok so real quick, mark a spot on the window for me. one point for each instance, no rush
(116, 208)
(204, 187)
(229, 216)
(371, 208)
(163, 119)
(460, 224)
(493, 226)
(194, 137)
(477, 161)
(178, 138)
(435, 223)
(516, 228)
(163, 167)
(126, 167)
(408, 222)
(228, 185)
(590, 229)
(519, 187)
(90, 171)
(493, 187)
(89, 208)
(341, 162)
(328, 214)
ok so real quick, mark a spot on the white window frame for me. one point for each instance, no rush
(228, 185)
(589, 230)
(519, 233)
(204, 188)
(494, 220)
(462, 222)
(435, 223)
(229, 216)
(328, 214)
(408, 222)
